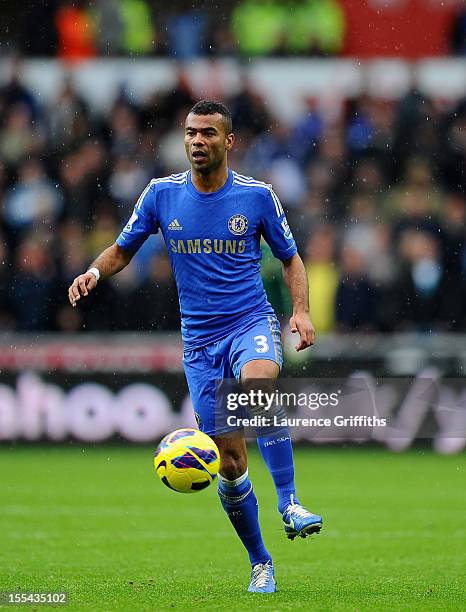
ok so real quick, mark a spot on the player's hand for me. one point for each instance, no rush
(82, 285)
(301, 323)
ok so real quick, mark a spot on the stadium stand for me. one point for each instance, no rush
(375, 196)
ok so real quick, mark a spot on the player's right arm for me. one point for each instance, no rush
(108, 263)
(141, 224)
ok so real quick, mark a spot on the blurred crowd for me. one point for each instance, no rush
(76, 30)
(374, 192)
(82, 29)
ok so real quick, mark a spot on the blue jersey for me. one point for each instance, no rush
(213, 240)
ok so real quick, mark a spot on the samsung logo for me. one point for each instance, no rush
(208, 246)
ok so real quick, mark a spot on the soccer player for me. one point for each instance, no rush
(212, 220)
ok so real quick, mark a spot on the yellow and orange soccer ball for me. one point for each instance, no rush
(187, 460)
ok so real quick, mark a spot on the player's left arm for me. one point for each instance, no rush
(277, 233)
(295, 277)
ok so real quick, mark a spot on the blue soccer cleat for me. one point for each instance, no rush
(299, 521)
(262, 578)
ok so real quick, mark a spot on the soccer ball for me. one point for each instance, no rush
(187, 460)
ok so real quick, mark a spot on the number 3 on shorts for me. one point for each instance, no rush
(262, 344)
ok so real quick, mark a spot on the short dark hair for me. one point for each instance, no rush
(211, 107)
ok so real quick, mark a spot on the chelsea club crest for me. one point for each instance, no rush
(238, 224)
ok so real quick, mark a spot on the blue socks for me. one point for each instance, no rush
(277, 453)
(240, 503)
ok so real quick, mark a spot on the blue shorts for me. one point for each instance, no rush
(258, 338)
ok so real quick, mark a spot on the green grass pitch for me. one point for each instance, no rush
(98, 524)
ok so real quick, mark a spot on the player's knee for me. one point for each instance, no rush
(267, 385)
(260, 385)
(233, 463)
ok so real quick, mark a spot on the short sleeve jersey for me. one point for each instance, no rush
(213, 241)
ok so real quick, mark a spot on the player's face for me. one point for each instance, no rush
(206, 141)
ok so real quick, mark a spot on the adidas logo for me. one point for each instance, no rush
(175, 225)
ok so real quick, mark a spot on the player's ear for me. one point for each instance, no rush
(229, 141)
